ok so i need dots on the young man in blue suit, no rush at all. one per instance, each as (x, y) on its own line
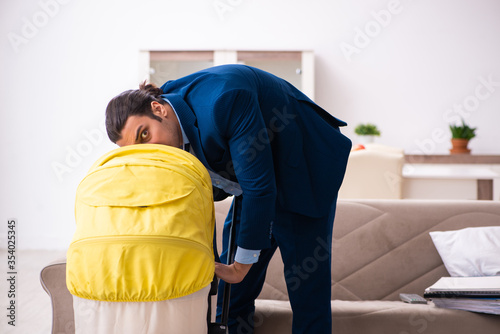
(288, 157)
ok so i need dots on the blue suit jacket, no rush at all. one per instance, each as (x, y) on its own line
(255, 128)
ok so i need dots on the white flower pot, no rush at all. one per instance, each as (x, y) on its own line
(367, 139)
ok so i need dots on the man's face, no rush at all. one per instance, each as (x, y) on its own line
(144, 129)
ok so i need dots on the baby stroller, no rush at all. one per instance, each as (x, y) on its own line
(144, 238)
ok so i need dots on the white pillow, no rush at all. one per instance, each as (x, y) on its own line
(473, 251)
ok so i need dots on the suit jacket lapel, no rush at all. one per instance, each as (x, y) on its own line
(189, 124)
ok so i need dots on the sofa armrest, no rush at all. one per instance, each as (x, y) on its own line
(53, 280)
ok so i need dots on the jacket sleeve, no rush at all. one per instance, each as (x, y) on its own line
(238, 119)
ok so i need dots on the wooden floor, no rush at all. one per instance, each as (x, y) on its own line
(33, 308)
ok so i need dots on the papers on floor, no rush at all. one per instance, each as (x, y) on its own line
(476, 294)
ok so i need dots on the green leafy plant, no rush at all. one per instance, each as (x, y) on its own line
(462, 131)
(367, 129)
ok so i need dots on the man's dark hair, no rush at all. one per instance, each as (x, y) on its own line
(130, 103)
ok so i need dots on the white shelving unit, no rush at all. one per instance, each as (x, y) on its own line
(297, 67)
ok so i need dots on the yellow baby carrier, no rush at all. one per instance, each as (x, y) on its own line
(144, 227)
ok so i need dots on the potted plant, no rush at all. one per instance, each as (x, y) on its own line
(460, 136)
(367, 132)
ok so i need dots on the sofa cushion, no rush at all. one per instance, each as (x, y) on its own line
(382, 247)
(375, 317)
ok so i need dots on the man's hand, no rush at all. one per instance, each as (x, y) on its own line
(234, 273)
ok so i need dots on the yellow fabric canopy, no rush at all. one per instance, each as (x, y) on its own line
(144, 226)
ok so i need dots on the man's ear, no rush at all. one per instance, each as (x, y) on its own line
(158, 109)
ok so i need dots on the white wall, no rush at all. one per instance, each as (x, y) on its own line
(62, 60)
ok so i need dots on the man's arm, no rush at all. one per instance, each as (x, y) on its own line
(237, 117)
(235, 272)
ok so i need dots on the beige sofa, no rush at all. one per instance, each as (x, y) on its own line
(380, 248)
